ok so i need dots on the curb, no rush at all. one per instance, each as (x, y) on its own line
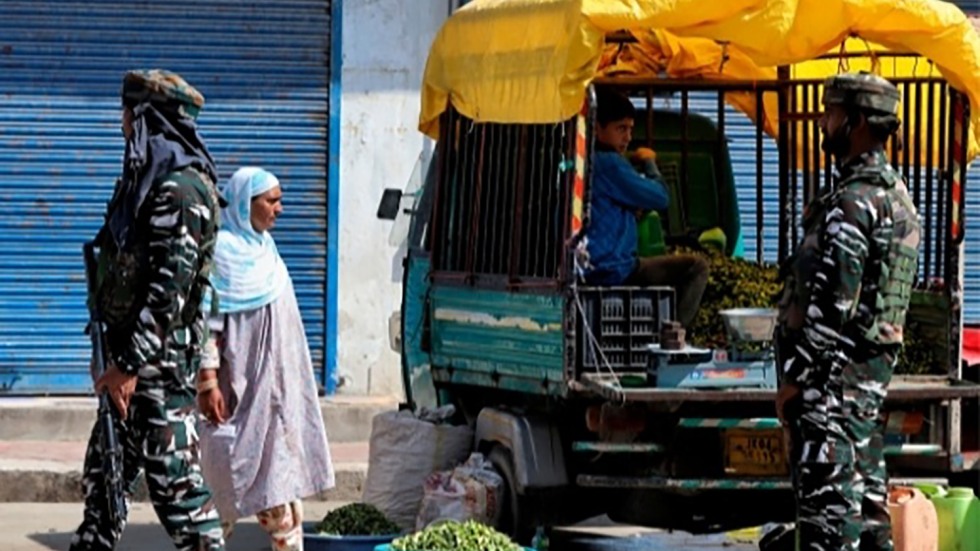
(52, 486)
(347, 419)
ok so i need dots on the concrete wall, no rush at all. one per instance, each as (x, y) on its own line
(385, 45)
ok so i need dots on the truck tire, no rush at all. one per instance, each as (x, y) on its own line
(514, 508)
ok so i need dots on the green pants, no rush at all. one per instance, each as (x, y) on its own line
(160, 438)
(839, 466)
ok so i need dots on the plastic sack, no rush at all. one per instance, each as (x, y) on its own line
(405, 449)
(471, 491)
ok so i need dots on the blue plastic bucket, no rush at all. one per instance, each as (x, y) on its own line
(312, 541)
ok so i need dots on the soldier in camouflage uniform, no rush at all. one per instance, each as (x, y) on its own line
(155, 253)
(842, 313)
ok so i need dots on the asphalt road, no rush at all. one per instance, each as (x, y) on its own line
(49, 527)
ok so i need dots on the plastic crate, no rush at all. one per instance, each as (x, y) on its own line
(625, 321)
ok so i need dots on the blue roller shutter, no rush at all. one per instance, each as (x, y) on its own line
(263, 67)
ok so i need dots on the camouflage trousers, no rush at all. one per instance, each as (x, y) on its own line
(160, 438)
(837, 446)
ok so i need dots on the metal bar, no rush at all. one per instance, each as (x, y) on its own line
(806, 149)
(442, 160)
(784, 152)
(648, 131)
(914, 389)
(759, 182)
(917, 151)
(942, 177)
(817, 149)
(462, 201)
(879, 54)
(770, 85)
(954, 280)
(568, 192)
(729, 423)
(914, 449)
(537, 220)
(894, 80)
(906, 151)
(484, 262)
(663, 483)
(686, 84)
(793, 150)
(723, 206)
(474, 235)
(527, 240)
(685, 177)
(513, 175)
(517, 229)
(930, 189)
(612, 447)
(548, 205)
(802, 116)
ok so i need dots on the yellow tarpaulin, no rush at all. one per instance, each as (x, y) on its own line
(530, 61)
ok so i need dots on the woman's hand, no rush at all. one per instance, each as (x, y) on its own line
(212, 405)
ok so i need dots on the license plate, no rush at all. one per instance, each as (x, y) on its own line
(754, 452)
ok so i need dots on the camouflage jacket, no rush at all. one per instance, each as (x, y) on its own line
(150, 294)
(849, 283)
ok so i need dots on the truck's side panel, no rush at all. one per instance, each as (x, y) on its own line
(498, 339)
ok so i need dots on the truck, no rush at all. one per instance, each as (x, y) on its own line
(569, 391)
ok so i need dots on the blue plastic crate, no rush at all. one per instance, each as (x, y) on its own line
(312, 541)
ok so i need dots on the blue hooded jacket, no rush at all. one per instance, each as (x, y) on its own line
(618, 191)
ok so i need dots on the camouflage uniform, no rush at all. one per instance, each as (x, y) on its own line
(150, 290)
(841, 319)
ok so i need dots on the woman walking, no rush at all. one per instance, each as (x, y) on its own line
(263, 443)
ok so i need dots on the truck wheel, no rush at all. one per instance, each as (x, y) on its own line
(513, 506)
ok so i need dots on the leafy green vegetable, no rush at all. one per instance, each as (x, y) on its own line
(455, 536)
(357, 519)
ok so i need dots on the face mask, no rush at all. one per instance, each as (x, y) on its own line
(838, 144)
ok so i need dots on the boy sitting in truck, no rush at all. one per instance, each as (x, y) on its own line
(619, 193)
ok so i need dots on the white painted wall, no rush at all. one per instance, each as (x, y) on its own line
(385, 45)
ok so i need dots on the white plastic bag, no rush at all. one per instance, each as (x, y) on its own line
(405, 450)
(471, 491)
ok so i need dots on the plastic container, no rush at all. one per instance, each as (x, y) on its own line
(958, 511)
(714, 238)
(650, 236)
(625, 321)
(915, 523)
(312, 541)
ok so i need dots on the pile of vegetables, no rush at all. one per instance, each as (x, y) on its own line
(357, 519)
(732, 283)
(450, 535)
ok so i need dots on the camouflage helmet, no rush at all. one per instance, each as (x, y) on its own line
(163, 88)
(865, 91)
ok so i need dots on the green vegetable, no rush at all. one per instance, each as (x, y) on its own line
(450, 535)
(357, 519)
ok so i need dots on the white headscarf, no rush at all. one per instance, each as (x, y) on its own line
(248, 272)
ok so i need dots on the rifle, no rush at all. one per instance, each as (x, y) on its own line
(112, 453)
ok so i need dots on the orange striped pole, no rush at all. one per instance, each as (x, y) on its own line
(956, 188)
(578, 191)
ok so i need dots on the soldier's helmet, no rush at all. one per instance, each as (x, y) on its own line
(163, 88)
(865, 91)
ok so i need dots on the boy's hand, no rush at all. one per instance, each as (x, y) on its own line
(643, 154)
(645, 161)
